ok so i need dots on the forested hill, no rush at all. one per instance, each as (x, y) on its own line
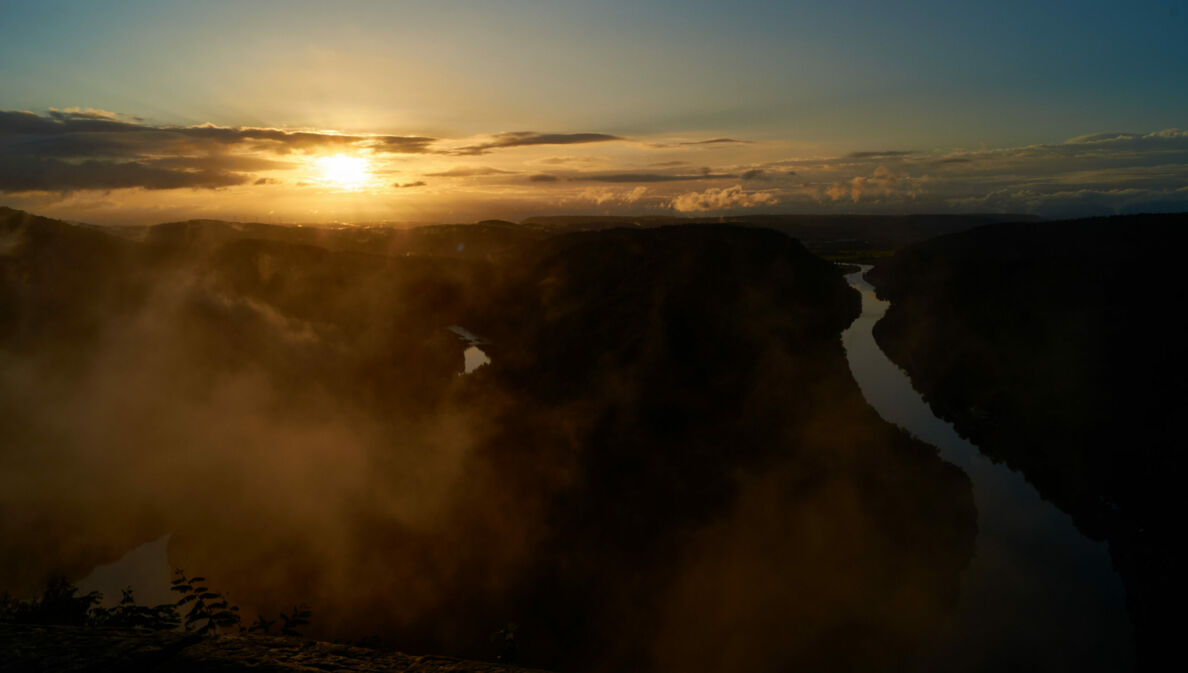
(666, 466)
(1058, 347)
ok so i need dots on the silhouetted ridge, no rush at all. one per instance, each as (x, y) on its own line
(863, 238)
(1057, 347)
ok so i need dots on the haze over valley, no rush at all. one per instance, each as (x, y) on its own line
(590, 337)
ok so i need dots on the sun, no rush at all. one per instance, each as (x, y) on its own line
(345, 172)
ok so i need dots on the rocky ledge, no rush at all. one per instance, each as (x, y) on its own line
(66, 649)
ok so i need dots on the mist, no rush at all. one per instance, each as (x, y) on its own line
(657, 469)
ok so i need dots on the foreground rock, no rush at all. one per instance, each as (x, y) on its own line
(65, 649)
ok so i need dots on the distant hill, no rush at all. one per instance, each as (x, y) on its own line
(846, 238)
(59, 281)
(1058, 347)
(861, 238)
(469, 240)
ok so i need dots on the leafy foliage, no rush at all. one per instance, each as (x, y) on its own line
(261, 625)
(506, 639)
(209, 610)
(127, 614)
(59, 603)
(297, 619)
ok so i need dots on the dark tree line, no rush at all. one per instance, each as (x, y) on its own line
(199, 609)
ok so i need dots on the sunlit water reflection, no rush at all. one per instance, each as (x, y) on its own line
(473, 357)
(1038, 595)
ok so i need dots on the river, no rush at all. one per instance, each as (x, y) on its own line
(1037, 595)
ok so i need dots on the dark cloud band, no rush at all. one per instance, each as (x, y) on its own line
(27, 174)
(66, 150)
(527, 138)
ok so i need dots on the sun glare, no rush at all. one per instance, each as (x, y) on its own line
(345, 172)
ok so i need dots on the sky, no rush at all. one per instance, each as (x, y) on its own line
(139, 112)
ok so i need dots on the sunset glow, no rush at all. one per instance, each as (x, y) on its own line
(855, 107)
(344, 172)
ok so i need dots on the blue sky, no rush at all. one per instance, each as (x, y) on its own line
(797, 78)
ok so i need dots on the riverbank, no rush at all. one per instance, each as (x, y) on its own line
(1037, 595)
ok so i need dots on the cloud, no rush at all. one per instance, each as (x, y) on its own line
(599, 195)
(721, 199)
(527, 138)
(46, 156)
(283, 141)
(405, 144)
(418, 183)
(706, 174)
(620, 178)
(74, 149)
(711, 141)
(555, 161)
(718, 141)
(14, 122)
(468, 172)
(1176, 137)
(92, 113)
(218, 162)
(605, 195)
(1096, 174)
(882, 183)
(25, 127)
(1077, 202)
(635, 194)
(881, 154)
(28, 174)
